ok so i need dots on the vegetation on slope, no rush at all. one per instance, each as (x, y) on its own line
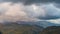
(15, 28)
(51, 30)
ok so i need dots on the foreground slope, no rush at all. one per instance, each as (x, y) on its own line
(51, 30)
(14, 28)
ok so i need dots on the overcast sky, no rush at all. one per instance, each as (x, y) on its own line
(30, 10)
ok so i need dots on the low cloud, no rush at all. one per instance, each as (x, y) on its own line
(56, 21)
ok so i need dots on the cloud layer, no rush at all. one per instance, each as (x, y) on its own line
(29, 10)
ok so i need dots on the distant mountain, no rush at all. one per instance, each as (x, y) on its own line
(51, 30)
(46, 24)
(25, 27)
(39, 23)
(15, 28)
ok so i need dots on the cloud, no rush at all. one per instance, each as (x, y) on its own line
(18, 11)
(14, 10)
(35, 11)
(27, 2)
(45, 12)
(56, 21)
(57, 5)
(51, 12)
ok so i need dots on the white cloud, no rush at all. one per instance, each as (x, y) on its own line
(18, 11)
(35, 11)
(55, 21)
(12, 12)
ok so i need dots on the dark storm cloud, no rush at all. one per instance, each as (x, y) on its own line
(49, 17)
(14, 0)
(31, 1)
(57, 5)
(41, 1)
(52, 12)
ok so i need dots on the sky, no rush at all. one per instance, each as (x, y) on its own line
(30, 10)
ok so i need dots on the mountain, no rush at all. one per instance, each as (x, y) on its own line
(15, 28)
(39, 23)
(25, 27)
(51, 30)
(45, 24)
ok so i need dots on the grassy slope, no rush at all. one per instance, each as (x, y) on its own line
(51, 30)
(20, 29)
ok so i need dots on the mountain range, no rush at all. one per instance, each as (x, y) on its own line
(15, 28)
(51, 30)
(25, 27)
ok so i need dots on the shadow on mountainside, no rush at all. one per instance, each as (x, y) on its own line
(15, 28)
(51, 30)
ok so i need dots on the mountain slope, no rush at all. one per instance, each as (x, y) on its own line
(39, 23)
(14, 28)
(51, 30)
